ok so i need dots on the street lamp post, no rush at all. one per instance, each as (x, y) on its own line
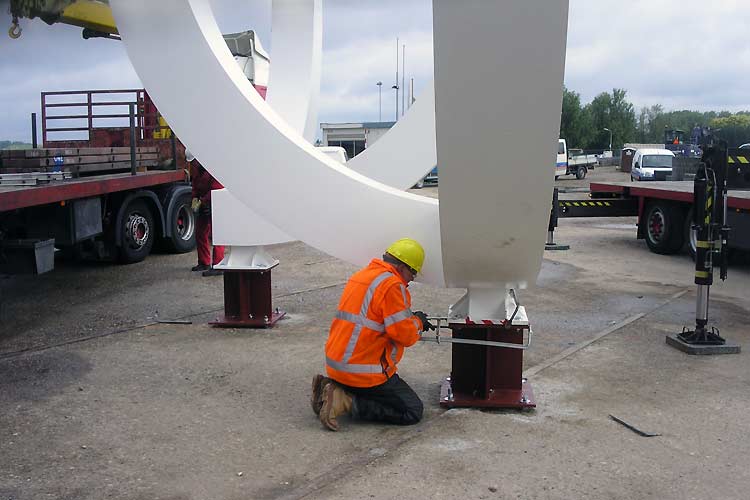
(610, 137)
(380, 101)
(395, 87)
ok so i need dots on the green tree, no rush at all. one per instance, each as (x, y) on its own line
(615, 112)
(735, 129)
(575, 123)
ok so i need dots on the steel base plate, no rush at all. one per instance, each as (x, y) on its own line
(505, 398)
(229, 322)
(702, 349)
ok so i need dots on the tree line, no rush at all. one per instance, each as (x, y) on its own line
(583, 125)
(14, 145)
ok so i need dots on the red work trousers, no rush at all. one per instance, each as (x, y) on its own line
(203, 242)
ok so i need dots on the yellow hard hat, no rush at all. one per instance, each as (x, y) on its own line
(408, 251)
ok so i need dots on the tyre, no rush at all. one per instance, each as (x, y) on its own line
(581, 173)
(419, 185)
(182, 226)
(138, 232)
(664, 229)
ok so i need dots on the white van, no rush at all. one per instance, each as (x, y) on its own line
(651, 165)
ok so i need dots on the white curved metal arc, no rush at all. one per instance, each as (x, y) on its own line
(294, 83)
(400, 158)
(293, 92)
(406, 152)
(326, 205)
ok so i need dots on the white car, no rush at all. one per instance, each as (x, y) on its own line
(651, 165)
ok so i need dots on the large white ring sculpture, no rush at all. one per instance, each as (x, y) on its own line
(496, 189)
(400, 159)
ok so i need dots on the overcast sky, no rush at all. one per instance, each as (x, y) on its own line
(683, 55)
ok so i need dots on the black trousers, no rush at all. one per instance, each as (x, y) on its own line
(393, 402)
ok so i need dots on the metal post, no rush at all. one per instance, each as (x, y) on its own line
(44, 119)
(133, 170)
(403, 77)
(90, 112)
(380, 101)
(174, 150)
(411, 92)
(33, 131)
(395, 85)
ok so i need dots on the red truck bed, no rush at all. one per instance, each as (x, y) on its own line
(666, 190)
(13, 197)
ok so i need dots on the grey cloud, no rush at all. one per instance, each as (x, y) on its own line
(685, 56)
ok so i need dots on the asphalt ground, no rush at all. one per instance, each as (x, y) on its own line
(99, 400)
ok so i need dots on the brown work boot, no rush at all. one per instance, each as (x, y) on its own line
(336, 402)
(318, 384)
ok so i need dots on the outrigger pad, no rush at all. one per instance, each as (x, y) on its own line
(702, 349)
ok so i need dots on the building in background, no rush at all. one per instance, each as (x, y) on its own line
(353, 137)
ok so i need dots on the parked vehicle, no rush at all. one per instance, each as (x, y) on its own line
(573, 161)
(651, 165)
(665, 210)
(336, 153)
(95, 197)
(429, 179)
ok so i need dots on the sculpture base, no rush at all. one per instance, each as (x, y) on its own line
(247, 300)
(522, 398)
(486, 376)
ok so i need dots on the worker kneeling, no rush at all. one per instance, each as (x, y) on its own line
(372, 327)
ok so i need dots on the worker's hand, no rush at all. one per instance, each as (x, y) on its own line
(196, 204)
(426, 325)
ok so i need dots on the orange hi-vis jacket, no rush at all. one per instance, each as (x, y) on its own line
(373, 325)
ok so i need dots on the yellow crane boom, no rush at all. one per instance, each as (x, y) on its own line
(94, 16)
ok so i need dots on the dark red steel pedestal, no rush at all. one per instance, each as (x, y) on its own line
(487, 376)
(247, 300)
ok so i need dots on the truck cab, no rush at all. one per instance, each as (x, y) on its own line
(561, 165)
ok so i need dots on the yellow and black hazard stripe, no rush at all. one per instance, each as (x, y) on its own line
(615, 207)
(585, 203)
(738, 159)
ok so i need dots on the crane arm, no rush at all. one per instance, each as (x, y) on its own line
(94, 16)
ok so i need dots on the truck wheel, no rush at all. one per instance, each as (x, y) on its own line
(137, 228)
(664, 228)
(581, 173)
(182, 225)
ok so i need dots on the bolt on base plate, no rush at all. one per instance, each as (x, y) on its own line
(522, 398)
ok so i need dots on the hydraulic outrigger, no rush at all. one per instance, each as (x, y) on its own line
(711, 233)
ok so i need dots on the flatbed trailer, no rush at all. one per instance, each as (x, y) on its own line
(105, 217)
(663, 209)
(111, 194)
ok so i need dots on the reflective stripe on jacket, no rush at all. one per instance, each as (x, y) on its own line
(373, 325)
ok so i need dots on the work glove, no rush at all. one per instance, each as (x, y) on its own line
(196, 204)
(426, 325)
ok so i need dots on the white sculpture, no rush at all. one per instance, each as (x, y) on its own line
(504, 83)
